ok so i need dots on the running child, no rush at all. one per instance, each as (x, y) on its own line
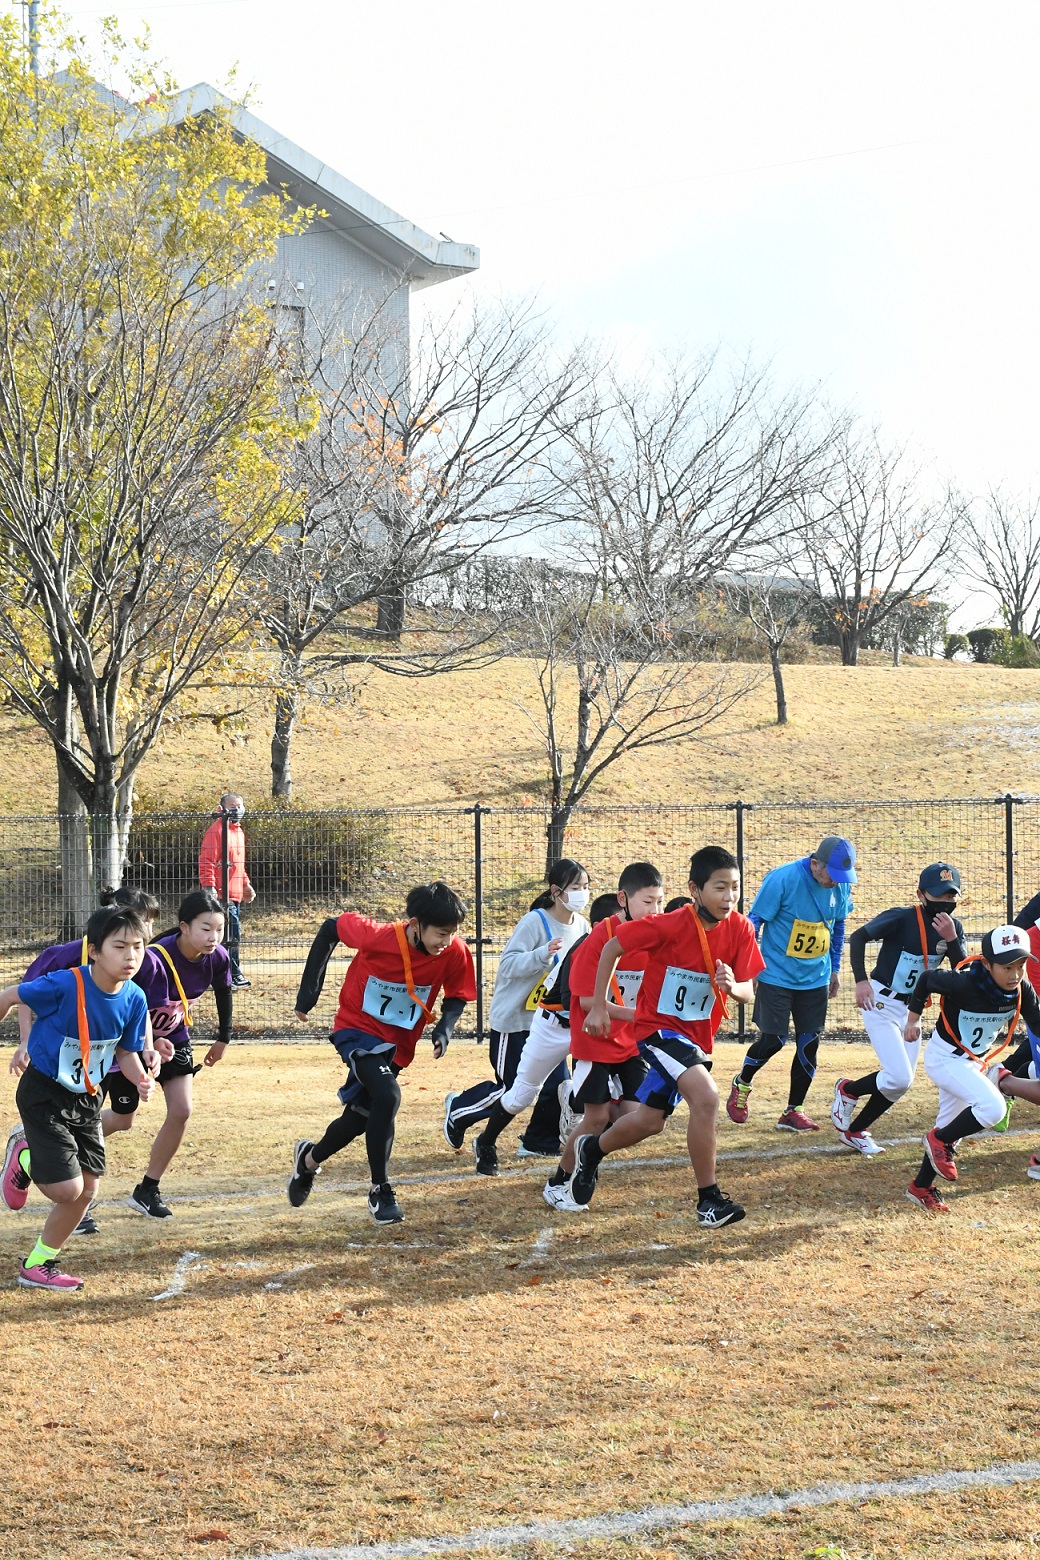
(385, 1003)
(912, 940)
(85, 1018)
(696, 958)
(800, 912)
(540, 940)
(607, 1069)
(979, 1009)
(186, 961)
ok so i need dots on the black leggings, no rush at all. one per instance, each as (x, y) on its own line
(803, 1063)
(373, 1114)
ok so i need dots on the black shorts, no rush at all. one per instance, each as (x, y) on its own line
(120, 1094)
(777, 1006)
(181, 1064)
(667, 1056)
(591, 1081)
(62, 1129)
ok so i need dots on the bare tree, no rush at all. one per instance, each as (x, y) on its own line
(871, 542)
(1003, 543)
(774, 604)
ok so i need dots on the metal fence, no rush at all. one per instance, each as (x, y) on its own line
(308, 865)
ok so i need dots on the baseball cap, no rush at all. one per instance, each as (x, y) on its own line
(839, 857)
(940, 878)
(1006, 944)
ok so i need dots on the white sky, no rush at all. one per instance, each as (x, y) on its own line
(849, 190)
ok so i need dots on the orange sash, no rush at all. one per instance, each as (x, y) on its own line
(406, 960)
(924, 943)
(615, 989)
(984, 1061)
(709, 962)
(84, 1031)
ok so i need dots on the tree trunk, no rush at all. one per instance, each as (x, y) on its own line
(556, 833)
(778, 684)
(849, 648)
(390, 613)
(286, 709)
(110, 815)
(897, 644)
(77, 877)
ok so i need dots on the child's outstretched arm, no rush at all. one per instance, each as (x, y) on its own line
(451, 1012)
(20, 1059)
(313, 977)
(598, 1020)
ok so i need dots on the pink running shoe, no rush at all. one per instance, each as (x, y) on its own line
(14, 1183)
(795, 1120)
(47, 1276)
(737, 1107)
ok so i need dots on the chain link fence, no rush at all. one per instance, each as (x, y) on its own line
(309, 865)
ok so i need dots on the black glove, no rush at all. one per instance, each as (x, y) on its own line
(440, 1038)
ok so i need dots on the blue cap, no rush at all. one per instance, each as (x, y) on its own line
(940, 878)
(838, 855)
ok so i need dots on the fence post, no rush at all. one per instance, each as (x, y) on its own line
(478, 940)
(740, 808)
(1009, 851)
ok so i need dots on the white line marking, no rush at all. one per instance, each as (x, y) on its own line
(185, 1265)
(610, 1164)
(543, 1244)
(626, 1523)
(277, 1283)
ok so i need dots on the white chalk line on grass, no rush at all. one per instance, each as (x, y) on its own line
(664, 1161)
(630, 1523)
(185, 1264)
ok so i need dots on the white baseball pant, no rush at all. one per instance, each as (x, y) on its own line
(961, 1082)
(546, 1046)
(884, 1023)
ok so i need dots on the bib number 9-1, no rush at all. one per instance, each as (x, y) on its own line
(686, 994)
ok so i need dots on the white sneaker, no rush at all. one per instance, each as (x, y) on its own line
(559, 1197)
(569, 1118)
(844, 1106)
(862, 1142)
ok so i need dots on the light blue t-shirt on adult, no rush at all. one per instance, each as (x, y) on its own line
(798, 917)
(116, 1018)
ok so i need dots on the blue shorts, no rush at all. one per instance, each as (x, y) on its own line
(667, 1055)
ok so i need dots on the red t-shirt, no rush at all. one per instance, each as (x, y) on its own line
(620, 1043)
(374, 996)
(676, 993)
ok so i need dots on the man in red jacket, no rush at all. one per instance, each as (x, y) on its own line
(238, 886)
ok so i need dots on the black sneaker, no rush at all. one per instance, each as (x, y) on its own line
(88, 1225)
(586, 1174)
(238, 982)
(454, 1136)
(485, 1157)
(149, 1202)
(718, 1209)
(383, 1205)
(302, 1180)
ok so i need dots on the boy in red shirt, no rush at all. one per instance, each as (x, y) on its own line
(606, 1070)
(697, 956)
(386, 1001)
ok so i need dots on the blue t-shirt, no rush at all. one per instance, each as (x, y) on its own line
(802, 925)
(113, 1019)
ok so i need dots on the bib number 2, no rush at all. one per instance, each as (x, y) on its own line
(808, 940)
(390, 1002)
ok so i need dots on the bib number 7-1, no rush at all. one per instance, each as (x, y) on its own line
(391, 1002)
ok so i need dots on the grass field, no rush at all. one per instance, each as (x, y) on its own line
(323, 1382)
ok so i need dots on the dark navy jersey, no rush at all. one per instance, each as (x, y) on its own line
(1030, 916)
(974, 1012)
(900, 958)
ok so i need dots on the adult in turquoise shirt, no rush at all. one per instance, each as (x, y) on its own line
(799, 914)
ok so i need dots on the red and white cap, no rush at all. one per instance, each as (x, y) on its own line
(1005, 944)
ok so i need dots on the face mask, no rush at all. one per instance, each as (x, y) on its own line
(934, 907)
(576, 898)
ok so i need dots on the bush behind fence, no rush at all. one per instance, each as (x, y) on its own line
(308, 865)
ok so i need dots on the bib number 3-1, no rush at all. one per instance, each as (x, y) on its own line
(388, 1000)
(685, 994)
(70, 1065)
(808, 940)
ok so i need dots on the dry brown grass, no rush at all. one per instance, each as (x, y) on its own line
(446, 1373)
(925, 728)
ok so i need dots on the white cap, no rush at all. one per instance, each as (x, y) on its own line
(1005, 944)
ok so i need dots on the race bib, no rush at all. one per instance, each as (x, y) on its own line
(909, 967)
(167, 1018)
(535, 999)
(808, 940)
(979, 1031)
(686, 994)
(70, 1063)
(388, 1000)
(629, 982)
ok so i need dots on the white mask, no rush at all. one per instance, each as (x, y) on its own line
(576, 898)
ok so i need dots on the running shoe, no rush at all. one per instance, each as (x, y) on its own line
(586, 1174)
(862, 1142)
(14, 1182)
(485, 1157)
(926, 1197)
(844, 1106)
(301, 1182)
(569, 1117)
(383, 1205)
(88, 1225)
(795, 1120)
(47, 1275)
(240, 982)
(1005, 1120)
(737, 1107)
(1033, 1168)
(940, 1156)
(718, 1209)
(559, 1197)
(538, 1150)
(149, 1202)
(455, 1137)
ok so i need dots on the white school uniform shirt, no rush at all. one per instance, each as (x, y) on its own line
(525, 959)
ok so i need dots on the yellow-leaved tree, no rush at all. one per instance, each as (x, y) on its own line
(144, 432)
